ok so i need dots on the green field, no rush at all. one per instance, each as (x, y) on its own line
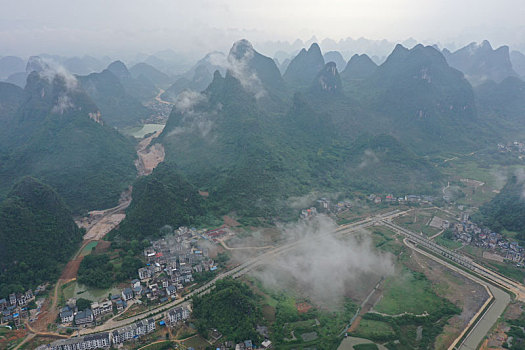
(140, 131)
(448, 243)
(76, 290)
(88, 248)
(408, 292)
(372, 329)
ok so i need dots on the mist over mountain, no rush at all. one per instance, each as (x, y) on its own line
(518, 62)
(480, 62)
(337, 58)
(57, 135)
(359, 67)
(422, 100)
(304, 67)
(141, 88)
(503, 103)
(10, 65)
(117, 106)
(198, 77)
(143, 71)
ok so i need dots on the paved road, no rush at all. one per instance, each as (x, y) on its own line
(478, 333)
(495, 278)
(241, 270)
(490, 315)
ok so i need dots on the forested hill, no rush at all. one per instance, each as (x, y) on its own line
(506, 211)
(250, 160)
(37, 235)
(163, 198)
(57, 135)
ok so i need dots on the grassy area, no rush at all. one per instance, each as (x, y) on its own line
(385, 240)
(418, 221)
(76, 290)
(161, 345)
(141, 131)
(196, 342)
(509, 270)
(372, 329)
(409, 292)
(448, 243)
(88, 248)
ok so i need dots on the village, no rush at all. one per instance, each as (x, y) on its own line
(495, 245)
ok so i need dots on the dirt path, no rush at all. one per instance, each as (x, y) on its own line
(437, 234)
(160, 100)
(97, 224)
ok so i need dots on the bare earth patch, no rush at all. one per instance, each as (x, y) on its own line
(463, 292)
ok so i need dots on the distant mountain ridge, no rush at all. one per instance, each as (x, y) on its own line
(480, 63)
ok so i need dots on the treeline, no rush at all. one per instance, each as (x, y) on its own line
(37, 236)
(100, 271)
(231, 308)
(506, 211)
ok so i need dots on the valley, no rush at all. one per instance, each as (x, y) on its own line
(360, 204)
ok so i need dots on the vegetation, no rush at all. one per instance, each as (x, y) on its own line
(163, 198)
(410, 331)
(83, 304)
(410, 292)
(117, 107)
(87, 163)
(506, 211)
(230, 308)
(104, 270)
(366, 346)
(96, 271)
(32, 220)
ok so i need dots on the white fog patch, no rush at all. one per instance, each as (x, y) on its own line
(520, 178)
(188, 99)
(50, 70)
(301, 202)
(500, 178)
(63, 103)
(369, 158)
(193, 121)
(323, 264)
(240, 69)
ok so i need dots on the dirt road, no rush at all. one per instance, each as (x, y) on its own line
(97, 224)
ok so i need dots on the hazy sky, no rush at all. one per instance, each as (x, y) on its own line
(123, 26)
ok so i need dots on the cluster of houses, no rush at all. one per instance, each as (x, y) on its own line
(120, 335)
(70, 315)
(245, 345)
(14, 309)
(409, 198)
(104, 339)
(171, 263)
(470, 233)
(216, 234)
(324, 205)
(515, 146)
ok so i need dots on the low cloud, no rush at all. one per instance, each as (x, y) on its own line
(309, 199)
(240, 69)
(369, 158)
(63, 104)
(50, 70)
(193, 121)
(324, 266)
(520, 177)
